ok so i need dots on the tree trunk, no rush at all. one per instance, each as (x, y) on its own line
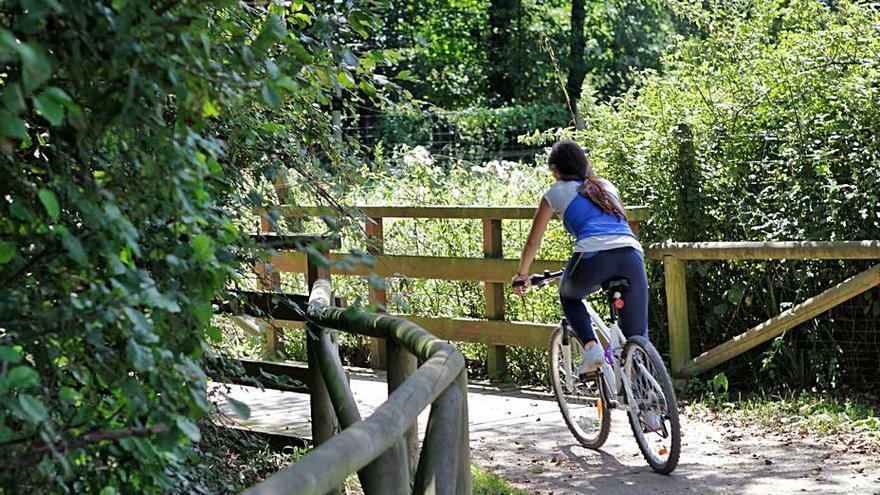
(502, 16)
(577, 69)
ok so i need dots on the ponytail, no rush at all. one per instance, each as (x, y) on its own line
(570, 161)
(595, 191)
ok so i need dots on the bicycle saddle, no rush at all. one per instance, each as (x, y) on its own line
(618, 284)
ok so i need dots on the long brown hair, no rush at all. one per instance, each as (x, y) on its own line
(567, 158)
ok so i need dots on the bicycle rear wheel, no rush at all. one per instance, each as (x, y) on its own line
(656, 425)
(580, 401)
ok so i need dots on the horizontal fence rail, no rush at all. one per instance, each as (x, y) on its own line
(376, 447)
(771, 250)
(633, 213)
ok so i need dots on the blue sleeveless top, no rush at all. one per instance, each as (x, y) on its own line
(593, 228)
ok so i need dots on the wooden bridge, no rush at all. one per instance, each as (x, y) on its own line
(393, 433)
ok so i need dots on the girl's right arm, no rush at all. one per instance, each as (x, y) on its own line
(533, 242)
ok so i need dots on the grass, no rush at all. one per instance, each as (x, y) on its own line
(808, 412)
(812, 412)
(486, 483)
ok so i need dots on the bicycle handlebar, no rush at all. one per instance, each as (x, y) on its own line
(538, 280)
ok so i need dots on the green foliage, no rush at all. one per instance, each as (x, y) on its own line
(134, 138)
(805, 412)
(229, 460)
(470, 134)
(445, 47)
(486, 483)
(760, 130)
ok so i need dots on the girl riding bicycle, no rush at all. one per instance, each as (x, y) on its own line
(605, 248)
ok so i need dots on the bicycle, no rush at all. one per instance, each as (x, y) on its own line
(633, 379)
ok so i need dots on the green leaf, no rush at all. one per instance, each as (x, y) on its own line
(34, 410)
(209, 109)
(344, 79)
(238, 407)
(49, 108)
(142, 327)
(12, 98)
(69, 395)
(12, 126)
(270, 95)
(50, 202)
(9, 355)
(214, 333)
(139, 356)
(35, 64)
(202, 311)
(153, 298)
(7, 252)
(22, 377)
(75, 249)
(109, 490)
(203, 248)
(189, 428)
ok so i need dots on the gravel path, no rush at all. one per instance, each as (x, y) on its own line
(521, 437)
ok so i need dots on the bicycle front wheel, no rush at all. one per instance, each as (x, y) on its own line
(655, 424)
(580, 401)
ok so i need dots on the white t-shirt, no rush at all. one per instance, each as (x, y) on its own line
(561, 194)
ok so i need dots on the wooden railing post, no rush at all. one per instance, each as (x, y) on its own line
(378, 296)
(496, 356)
(677, 313)
(464, 443)
(268, 279)
(324, 424)
(401, 365)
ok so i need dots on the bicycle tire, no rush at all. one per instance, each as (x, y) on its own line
(671, 414)
(583, 437)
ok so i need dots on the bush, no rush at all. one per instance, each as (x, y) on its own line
(764, 129)
(133, 136)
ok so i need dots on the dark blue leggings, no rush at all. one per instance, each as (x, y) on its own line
(584, 275)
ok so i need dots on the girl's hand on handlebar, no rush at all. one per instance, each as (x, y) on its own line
(519, 283)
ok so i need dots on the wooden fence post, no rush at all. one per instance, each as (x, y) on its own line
(268, 279)
(401, 365)
(324, 424)
(677, 313)
(496, 356)
(378, 297)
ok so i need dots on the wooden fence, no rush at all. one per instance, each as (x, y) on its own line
(675, 255)
(383, 448)
(492, 269)
(495, 271)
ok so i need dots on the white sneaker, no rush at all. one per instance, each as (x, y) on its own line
(592, 358)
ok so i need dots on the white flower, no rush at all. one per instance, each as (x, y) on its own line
(418, 156)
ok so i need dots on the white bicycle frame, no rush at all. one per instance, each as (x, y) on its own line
(613, 337)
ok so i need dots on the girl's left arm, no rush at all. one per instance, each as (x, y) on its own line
(539, 226)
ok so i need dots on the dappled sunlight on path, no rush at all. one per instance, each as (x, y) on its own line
(521, 436)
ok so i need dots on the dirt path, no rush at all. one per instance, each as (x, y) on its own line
(521, 437)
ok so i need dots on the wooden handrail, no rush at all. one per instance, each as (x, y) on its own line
(769, 250)
(444, 465)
